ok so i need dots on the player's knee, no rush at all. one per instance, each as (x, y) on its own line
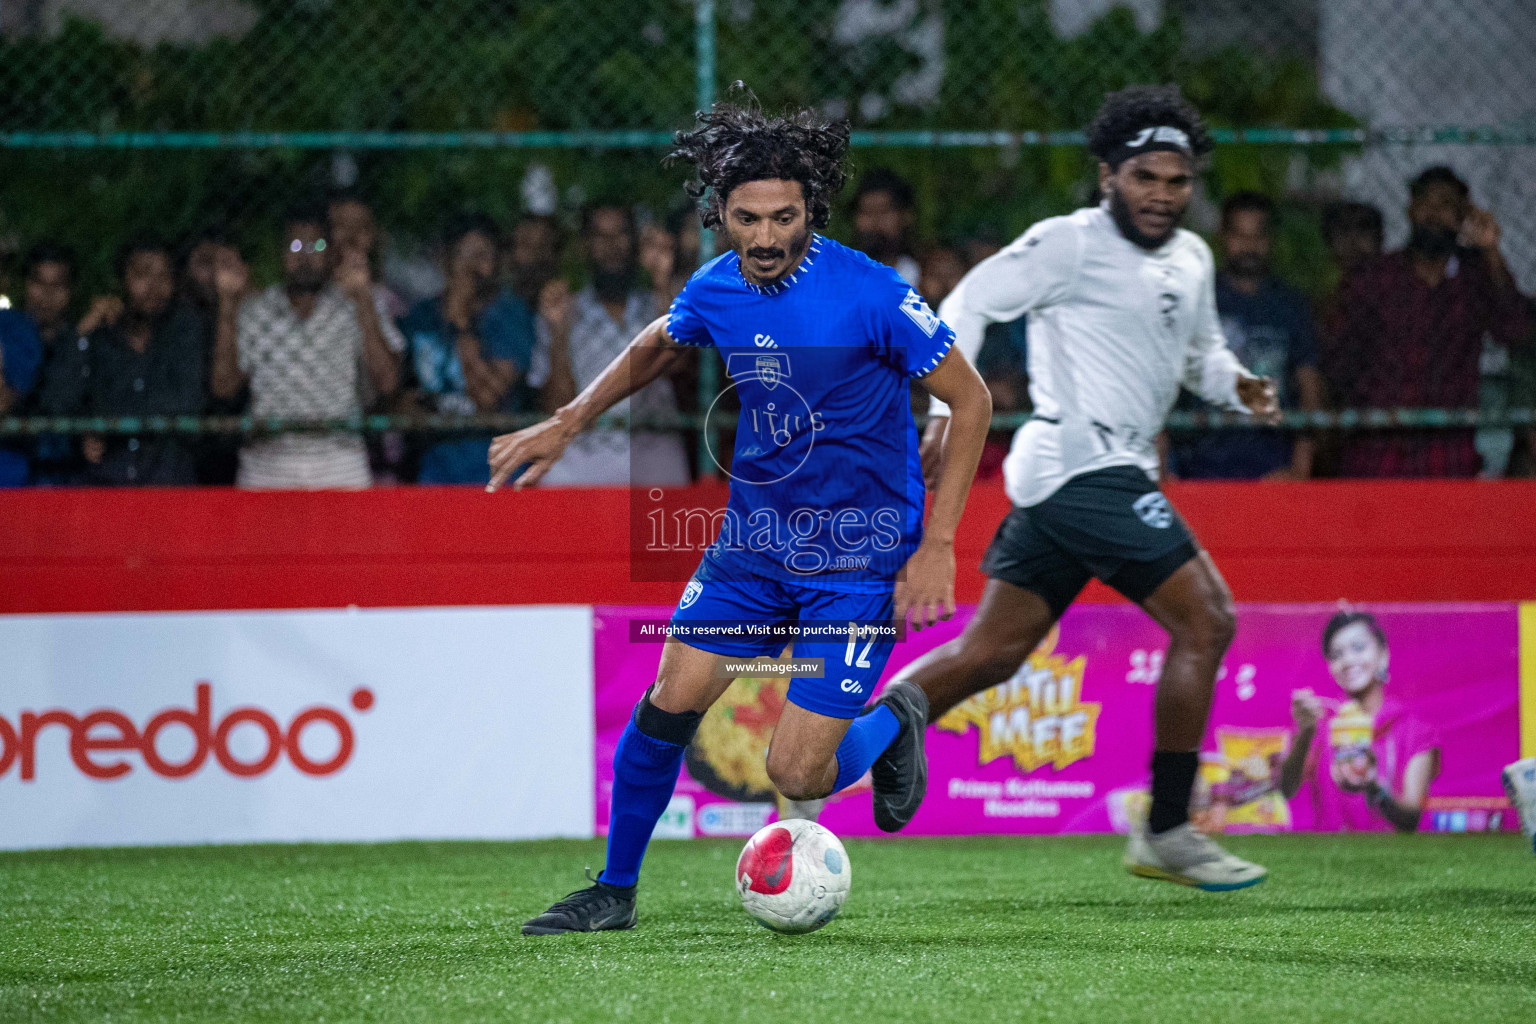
(1216, 624)
(795, 782)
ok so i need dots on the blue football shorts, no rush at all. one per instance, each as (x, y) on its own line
(853, 658)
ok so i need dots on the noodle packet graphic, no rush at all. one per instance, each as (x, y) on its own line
(1350, 734)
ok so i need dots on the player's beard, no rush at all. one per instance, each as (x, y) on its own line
(1120, 210)
(796, 251)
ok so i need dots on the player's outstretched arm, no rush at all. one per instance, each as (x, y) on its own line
(651, 354)
(1036, 269)
(927, 586)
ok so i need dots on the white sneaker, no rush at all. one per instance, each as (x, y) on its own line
(1188, 857)
(1520, 784)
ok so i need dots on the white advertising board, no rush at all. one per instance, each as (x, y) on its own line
(277, 726)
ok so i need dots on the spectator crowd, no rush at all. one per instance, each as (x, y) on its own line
(1439, 323)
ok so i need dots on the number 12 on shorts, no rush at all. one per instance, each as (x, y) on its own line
(854, 632)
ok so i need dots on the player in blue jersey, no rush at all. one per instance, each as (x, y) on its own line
(824, 527)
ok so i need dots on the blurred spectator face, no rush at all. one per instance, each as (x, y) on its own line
(352, 226)
(1353, 246)
(1246, 240)
(1353, 234)
(1435, 217)
(535, 254)
(942, 270)
(202, 268)
(611, 248)
(473, 258)
(609, 242)
(149, 283)
(48, 287)
(880, 225)
(306, 257)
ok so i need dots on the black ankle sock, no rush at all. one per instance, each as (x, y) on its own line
(1173, 781)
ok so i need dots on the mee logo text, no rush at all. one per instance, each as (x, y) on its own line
(102, 742)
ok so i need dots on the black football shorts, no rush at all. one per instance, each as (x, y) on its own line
(1112, 524)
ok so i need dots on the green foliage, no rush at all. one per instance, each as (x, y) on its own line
(447, 65)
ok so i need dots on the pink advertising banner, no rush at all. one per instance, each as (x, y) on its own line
(1421, 700)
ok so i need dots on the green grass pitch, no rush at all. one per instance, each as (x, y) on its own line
(1411, 930)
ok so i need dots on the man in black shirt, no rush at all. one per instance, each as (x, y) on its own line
(146, 360)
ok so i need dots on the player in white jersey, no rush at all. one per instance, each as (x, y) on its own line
(1122, 311)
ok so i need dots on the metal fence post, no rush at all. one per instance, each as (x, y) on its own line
(709, 361)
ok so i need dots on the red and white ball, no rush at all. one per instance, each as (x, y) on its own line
(793, 876)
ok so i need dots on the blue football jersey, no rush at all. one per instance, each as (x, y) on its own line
(825, 482)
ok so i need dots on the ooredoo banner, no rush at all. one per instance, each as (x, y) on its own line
(275, 726)
(1318, 711)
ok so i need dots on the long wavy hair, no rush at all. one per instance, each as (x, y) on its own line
(734, 142)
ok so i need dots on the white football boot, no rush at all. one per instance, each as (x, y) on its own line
(1188, 857)
(1520, 784)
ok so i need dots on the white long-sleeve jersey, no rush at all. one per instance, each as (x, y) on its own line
(1114, 329)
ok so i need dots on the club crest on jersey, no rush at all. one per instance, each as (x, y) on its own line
(691, 593)
(768, 371)
(926, 319)
(768, 368)
(1154, 510)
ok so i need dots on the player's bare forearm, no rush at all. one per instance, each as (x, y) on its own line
(651, 354)
(957, 384)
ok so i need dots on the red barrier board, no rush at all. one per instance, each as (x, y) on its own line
(162, 550)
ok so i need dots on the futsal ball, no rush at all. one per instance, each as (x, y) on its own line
(793, 876)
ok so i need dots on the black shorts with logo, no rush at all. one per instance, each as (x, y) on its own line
(1112, 524)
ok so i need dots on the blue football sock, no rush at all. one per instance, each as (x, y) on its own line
(865, 740)
(644, 774)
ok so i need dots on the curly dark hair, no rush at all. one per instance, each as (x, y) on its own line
(1128, 111)
(735, 142)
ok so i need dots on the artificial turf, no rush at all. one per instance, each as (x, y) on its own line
(1350, 928)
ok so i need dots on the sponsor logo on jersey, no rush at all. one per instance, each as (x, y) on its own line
(917, 310)
(1154, 510)
(691, 593)
(764, 341)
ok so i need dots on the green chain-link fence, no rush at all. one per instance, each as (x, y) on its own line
(121, 115)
